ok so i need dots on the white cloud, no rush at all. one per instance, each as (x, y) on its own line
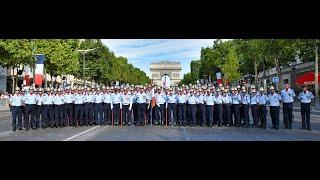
(142, 50)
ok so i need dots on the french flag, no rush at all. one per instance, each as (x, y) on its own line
(26, 75)
(39, 69)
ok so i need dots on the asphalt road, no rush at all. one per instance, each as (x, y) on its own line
(157, 133)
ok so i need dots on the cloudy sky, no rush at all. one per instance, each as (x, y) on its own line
(142, 52)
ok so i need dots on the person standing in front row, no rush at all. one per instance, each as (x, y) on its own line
(262, 110)
(126, 107)
(274, 101)
(15, 102)
(29, 100)
(287, 95)
(254, 108)
(305, 98)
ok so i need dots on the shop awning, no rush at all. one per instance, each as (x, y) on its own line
(306, 78)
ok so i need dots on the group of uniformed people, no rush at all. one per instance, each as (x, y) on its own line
(144, 105)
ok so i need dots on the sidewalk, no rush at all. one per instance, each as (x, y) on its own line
(4, 109)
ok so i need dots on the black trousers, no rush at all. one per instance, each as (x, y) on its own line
(242, 113)
(263, 115)
(232, 115)
(236, 113)
(245, 109)
(69, 114)
(141, 109)
(274, 113)
(116, 113)
(254, 113)
(107, 113)
(78, 114)
(215, 114)
(16, 115)
(171, 113)
(202, 113)
(219, 110)
(305, 115)
(126, 115)
(135, 112)
(88, 113)
(192, 112)
(29, 112)
(287, 115)
(39, 117)
(182, 109)
(59, 115)
(98, 113)
(226, 114)
(160, 112)
(209, 114)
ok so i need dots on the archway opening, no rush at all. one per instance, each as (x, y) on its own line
(165, 80)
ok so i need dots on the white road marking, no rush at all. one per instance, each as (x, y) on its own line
(6, 133)
(77, 135)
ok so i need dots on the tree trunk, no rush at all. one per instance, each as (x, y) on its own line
(276, 61)
(316, 75)
(256, 73)
(13, 83)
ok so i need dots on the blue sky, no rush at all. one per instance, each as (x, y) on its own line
(141, 52)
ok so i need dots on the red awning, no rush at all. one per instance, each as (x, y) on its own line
(306, 78)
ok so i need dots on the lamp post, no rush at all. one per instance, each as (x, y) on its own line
(83, 52)
(293, 72)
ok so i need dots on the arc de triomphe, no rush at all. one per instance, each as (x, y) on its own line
(163, 68)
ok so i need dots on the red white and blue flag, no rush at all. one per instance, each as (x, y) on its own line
(39, 69)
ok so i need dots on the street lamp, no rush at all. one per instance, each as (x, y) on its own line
(293, 65)
(83, 52)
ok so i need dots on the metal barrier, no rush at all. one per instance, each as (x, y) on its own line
(3, 103)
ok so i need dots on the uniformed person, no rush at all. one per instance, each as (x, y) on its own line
(58, 102)
(116, 104)
(39, 108)
(182, 108)
(68, 99)
(15, 102)
(78, 107)
(47, 102)
(245, 107)
(98, 112)
(107, 106)
(201, 108)
(262, 110)
(148, 92)
(274, 101)
(192, 108)
(141, 100)
(29, 100)
(219, 109)
(126, 107)
(160, 105)
(287, 96)
(134, 105)
(88, 99)
(171, 107)
(226, 100)
(209, 103)
(254, 108)
(236, 100)
(305, 98)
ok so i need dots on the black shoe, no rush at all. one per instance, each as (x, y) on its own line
(309, 129)
(14, 129)
(20, 128)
